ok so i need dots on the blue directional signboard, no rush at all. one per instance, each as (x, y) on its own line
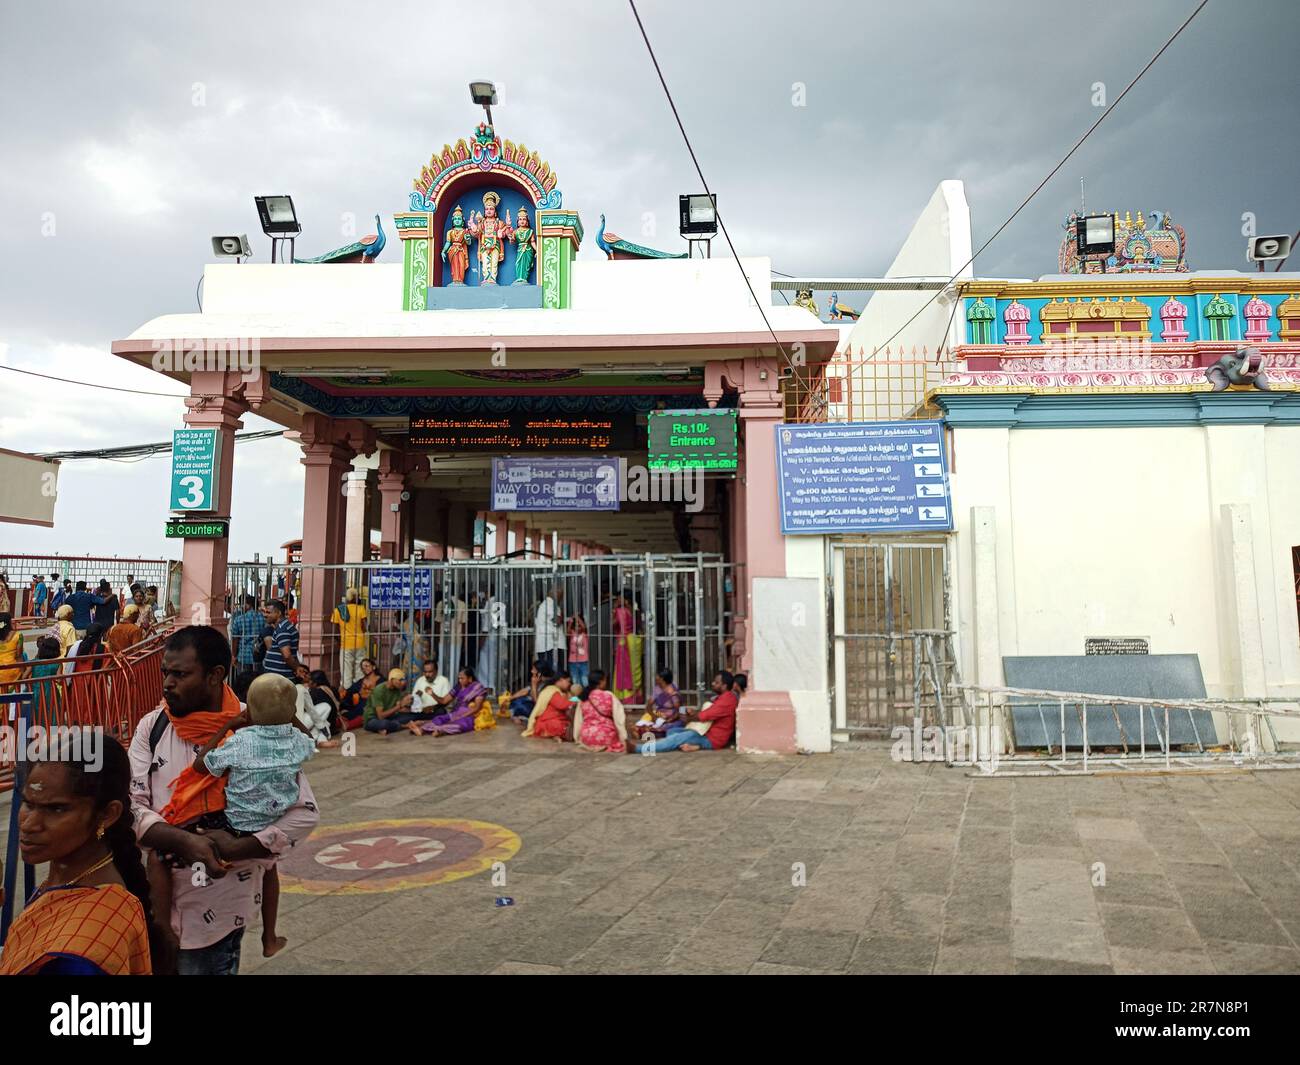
(390, 588)
(580, 483)
(871, 477)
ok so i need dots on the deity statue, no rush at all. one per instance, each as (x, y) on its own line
(491, 233)
(458, 245)
(525, 245)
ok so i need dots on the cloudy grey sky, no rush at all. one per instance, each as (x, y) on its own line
(133, 131)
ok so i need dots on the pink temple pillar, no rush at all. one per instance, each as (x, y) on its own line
(328, 447)
(216, 401)
(395, 471)
(766, 718)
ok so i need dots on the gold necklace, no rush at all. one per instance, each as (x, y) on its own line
(82, 875)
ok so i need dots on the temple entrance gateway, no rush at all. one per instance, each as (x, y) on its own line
(887, 596)
(482, 613)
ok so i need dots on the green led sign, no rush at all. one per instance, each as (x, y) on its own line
(692, 439)
(178, 529)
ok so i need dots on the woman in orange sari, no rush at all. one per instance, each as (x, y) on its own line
(551, 718)
(92, 916)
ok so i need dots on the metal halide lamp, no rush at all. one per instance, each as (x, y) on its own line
(483, 93)
(1095, 235)
(698, 220)
(279, 221)
(232, 247)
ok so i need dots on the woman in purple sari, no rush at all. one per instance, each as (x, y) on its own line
(464, 701)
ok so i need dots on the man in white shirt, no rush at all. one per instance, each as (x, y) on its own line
(548, 629)
(430, 689)
(451, 614)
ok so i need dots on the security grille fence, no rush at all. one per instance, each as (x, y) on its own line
(483, 615)
(91, 569)
(890, 611)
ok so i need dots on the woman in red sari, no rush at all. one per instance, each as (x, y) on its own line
(552, 720)
(92, 916)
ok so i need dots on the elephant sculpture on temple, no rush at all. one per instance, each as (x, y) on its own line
(1245, 366)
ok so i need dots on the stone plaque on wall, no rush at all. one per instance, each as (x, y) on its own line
(1116, 645)
(788, 624)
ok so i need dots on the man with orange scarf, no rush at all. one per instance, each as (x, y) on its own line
(214, 895)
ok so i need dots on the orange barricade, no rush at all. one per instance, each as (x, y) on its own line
(114, 695)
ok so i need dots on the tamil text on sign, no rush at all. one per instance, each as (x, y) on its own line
(863, 477)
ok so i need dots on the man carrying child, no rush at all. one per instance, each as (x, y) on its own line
(219, 886)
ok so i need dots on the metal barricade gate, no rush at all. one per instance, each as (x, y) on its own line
(483, 614)
(888, 596)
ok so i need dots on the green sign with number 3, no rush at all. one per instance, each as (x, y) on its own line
(194, 469)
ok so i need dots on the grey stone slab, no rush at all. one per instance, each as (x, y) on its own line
(1038, 723)
(511, 780)
(1064, 940)
(1129, 961)
(1238, 958)
(893, 954)
(810, 949)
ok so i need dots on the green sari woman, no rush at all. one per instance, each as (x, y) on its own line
(525, 247)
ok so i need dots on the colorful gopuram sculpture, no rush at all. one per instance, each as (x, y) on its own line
(491, 233)
(1159, 246)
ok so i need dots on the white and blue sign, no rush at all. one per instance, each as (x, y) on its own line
(851, 477)
(390, 588)
(555, 484)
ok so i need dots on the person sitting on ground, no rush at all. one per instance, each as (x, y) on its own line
(125, 632)
(352, 708)
(315, 708)
(709, 728)
(740, 685)
(389, 707)
(431, 689)
(259, 752)
(552, 717)
(524, 700)
(463, 703)
(666, 708)
(599, 724)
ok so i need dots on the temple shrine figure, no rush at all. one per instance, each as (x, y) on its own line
(455, 252)
(525, 245)
(491, 233)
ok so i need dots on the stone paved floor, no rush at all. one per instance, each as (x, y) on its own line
(684, 863)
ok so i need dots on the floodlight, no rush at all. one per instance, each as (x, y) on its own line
(278, 216)
(1095, 235)
(698, 215)
(483, 93)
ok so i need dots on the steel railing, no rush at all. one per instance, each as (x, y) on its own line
(985, 736)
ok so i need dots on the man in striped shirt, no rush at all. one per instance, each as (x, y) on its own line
(282, 643)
